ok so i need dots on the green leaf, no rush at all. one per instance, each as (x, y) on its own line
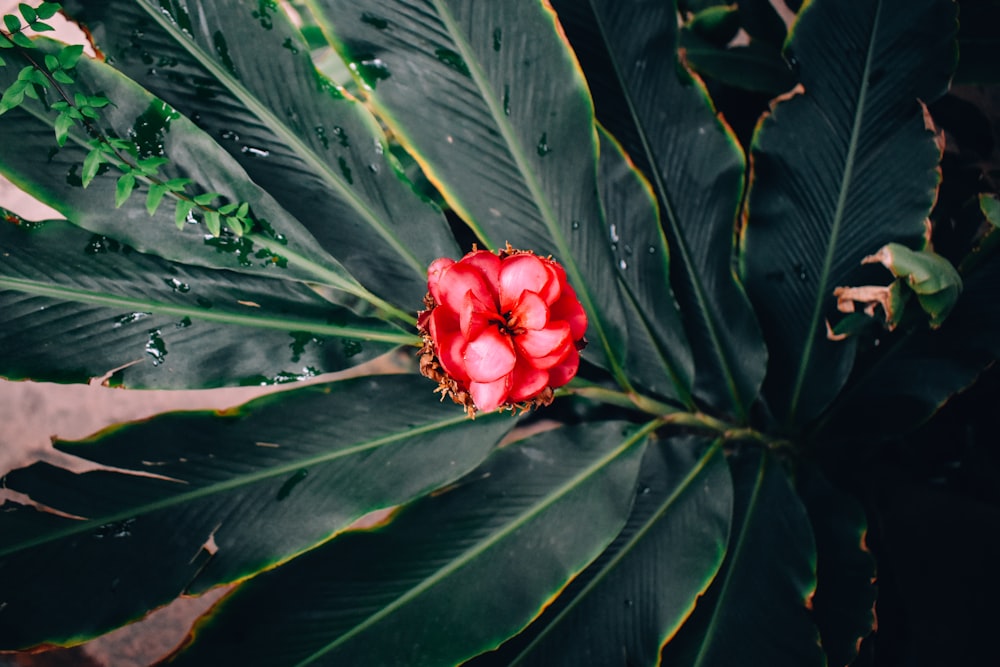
(659, 355)
(63, 77)
(645, 584)
(844, 603)
(222, 498)
(256, 95)
(450, 576)
(989, 204)
(666, 123)
(95, 158)
(22, 40)
(28, 12)
(12, 22)
(762, 22)
(514, 151)
(47, 10)
(13, 96)
(99, 303)
(69, 55)
(154, 196)
(840, 169)
(182, 211)
(758, 604)
(717, 24)
(51, 62)
(212, 222)
(160, 131)
(757, 67)
(126, 182)
(912, 373)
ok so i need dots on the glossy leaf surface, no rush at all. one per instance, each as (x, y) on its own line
(203, 499)
(668, 126)
(658, 355)
(645, 584)
(514, 151)
(76, 305)
(840, 168)
(757, 605)
(436, 585)
(242, 72)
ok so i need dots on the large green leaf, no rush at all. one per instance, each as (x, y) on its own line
(76, 305)
(844, 604)
(658, 355)
(242, 72)
(756, 609)
(453, 574)
(513, 146)
(625, 606)
(187, 501)
(287, 250)
(908, 377)
(841, 168)
(665, 121)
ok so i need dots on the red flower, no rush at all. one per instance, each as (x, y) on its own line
(500, 331)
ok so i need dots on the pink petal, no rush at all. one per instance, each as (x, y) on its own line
(531, 311)
(434, 272)
(488, 396)
(475, 316)
(489, 356)
(486, 262)
(448, 342)
(519, 273)
(565, 370)
(538, 345)
(568, 309)
(526, 382)
(557, 279)
(459, 279)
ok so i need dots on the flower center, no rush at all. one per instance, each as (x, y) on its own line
(509, 324)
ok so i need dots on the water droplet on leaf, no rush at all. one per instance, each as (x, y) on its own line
(543, 145)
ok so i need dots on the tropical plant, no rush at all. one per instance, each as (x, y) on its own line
(253, 194)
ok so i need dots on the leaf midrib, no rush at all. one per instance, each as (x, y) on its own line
(627, 548)
(270, 120)
(838, 219)
(481, 547)
(214, 315)
(234, 483)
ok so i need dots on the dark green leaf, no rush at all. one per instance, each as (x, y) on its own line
(840, 169)
(658, 356)
(757, 67)
(47, 10)
(762, 22)
(63, 77)
(28, 12)
(645, 584)
(669, 127)
(12, 22)
(252, 87)
(717, 24)
(74, 305)
(51, 62)
(38, 26)
(12, 96)
(452, 575)
(844, 603)
(208, 499)
(514, 151)
(160, 131)
(756, 610)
